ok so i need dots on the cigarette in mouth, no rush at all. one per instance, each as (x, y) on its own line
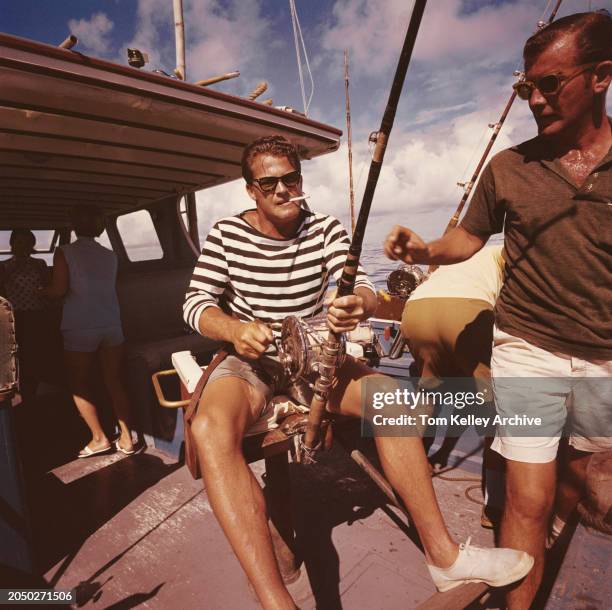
(298, 198)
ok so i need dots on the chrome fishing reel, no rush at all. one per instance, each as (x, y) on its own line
(403, 281)
(300, 347)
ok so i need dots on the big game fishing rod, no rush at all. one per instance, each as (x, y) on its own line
(349, 138)
(331, 347)
(468, 186)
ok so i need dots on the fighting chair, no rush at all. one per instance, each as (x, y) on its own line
(273, 446)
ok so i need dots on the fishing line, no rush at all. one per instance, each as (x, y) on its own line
(363, 164)
(468, 186)
(299, 39)
(545, 10)
(516, 69)
(474, 149)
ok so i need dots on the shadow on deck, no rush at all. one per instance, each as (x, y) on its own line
(139, 531)
(128, 531)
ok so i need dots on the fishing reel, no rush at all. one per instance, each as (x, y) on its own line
(403, 281)
(300, 347)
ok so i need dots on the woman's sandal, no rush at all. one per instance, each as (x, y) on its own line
(118, 447)
(86, 452)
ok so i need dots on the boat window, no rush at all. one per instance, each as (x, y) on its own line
(102, 239)
(44, 243)
(139, 236)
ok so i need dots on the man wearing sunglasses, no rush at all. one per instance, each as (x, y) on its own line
(261, 266)
(552, 197)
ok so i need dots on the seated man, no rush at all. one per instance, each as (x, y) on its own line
(263, 265)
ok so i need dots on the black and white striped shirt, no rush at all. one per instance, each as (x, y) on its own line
(267, 279)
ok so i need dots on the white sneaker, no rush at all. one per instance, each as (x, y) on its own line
(496, 567)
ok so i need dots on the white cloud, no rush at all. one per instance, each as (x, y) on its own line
(417, 185)
(220, 201)
(441, 128)
(224, 36)
(374, 31)
(220, 37)
(154, 34)
(93, 33)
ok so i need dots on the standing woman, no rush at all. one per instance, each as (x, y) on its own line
(85, 274)
(21, 279)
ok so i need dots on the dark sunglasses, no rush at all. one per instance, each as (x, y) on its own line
(268, 184)
(551, 84)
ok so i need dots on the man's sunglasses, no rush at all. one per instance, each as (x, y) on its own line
(551, 84)
(268, 184)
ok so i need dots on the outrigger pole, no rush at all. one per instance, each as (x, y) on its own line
(331, 347)
(468, 186)
(179, 36)
(181, 73)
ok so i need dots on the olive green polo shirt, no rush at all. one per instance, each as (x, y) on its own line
(557, 292)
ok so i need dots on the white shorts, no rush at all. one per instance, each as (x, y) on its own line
(570, 403)
(89, 340)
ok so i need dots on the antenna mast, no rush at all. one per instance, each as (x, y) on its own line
(181, 73)
(179, 35)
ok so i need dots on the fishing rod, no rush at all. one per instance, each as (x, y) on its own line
(349, 138)
(331, 347)
(468, 186)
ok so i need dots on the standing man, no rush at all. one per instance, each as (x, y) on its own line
(262, 265)
(552, 198)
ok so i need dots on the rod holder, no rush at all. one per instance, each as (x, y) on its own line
(69, 42)
(259, 89)
(217, 79)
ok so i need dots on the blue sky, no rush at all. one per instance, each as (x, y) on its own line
(458, 82)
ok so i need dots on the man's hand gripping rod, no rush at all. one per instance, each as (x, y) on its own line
(327, 368)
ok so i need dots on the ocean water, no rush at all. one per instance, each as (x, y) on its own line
(377, 265)
(373, 260)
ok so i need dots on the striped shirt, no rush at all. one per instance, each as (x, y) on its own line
(255, 277)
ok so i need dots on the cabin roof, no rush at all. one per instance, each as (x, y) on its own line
(76, 129)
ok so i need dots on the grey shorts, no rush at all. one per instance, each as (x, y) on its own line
(573, 395)
(266, 376)
(90, 339)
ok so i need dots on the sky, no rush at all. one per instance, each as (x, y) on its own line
(458, 82)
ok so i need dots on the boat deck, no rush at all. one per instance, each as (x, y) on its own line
(140, 531)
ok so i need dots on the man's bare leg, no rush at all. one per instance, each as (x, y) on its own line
(572, 478)
(228, 407)
(406, 467)
(530, 491)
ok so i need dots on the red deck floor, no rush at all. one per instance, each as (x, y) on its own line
(139, 531)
